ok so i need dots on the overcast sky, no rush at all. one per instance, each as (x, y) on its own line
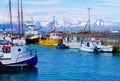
(108, 10)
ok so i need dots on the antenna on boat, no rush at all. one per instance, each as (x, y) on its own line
(64, 23)
(10, 13)
(22, 18)
(18, 16)
(53, 23)
(89, 17)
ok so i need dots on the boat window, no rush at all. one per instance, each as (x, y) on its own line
(97, 42)
(6, 50)
(88, 44)
(82, 42)
(19, 50)
(101, 43)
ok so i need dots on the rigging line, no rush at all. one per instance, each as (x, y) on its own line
(10, 13)
(14, 10)
(19, 16)
(6, 15)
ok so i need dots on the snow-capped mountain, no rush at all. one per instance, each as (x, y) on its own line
(45, 26)
(77, 23)
(100, 22)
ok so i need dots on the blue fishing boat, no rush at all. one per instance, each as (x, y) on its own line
(15, 54)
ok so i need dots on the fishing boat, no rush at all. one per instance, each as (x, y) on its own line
(99, 44)
(71, 43)
(74, 42)
(105, 48)
(52, 38)
(14, 54)
(89, 46)
(32, 35)
(95, 44)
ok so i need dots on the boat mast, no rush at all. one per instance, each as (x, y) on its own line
(10, 13)
(18, 17)
(53, 23)
(89, 18)
(22, 18)
(64, 24)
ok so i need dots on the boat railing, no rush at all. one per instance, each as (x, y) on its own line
(30, 53)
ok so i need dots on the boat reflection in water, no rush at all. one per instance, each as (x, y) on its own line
(24, 75)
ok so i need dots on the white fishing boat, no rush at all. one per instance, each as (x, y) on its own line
(107, 48)
(95, 45)
(89, 46)
(72, 43)
(14, 54)
(104, 48)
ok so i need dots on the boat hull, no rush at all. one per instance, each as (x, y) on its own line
(87, 49)
(72, 45)
(90, 49)
(49, 42)
(106, 48)
(32, 41)
(20, 65)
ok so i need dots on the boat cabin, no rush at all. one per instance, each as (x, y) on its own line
(5, 50)
(56, 35)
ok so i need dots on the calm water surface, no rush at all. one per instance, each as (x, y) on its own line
(69, 65)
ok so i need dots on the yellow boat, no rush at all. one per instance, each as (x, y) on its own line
(54, 38)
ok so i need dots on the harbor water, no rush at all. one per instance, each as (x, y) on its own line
(68, 65)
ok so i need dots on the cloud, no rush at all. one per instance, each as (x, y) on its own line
(45, 2)
(43, 9)
(111, 2)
